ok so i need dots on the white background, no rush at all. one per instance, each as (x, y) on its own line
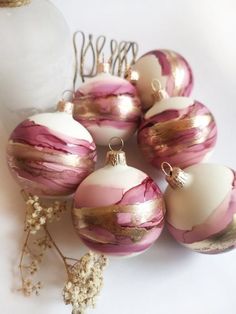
(168, 279)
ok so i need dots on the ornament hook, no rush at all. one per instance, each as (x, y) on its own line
(71, 92)
(158, 92)
(116, 139)
(175, 176)
(113, 49)
(135, 49)
(100, 44)
(156, 85)
(167, 168)
(76, 57)
(65, 105)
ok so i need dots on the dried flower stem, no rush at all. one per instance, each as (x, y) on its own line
(36, 218)
(64, 259)
(22, 256)
(84, 276)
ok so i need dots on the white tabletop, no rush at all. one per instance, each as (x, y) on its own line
(168, 279)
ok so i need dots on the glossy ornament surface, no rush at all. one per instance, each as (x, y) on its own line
(125, 214)
(107, 106)
(178, 130)
(201, 207)
(36, 51)
(170, 68)
(49, 154)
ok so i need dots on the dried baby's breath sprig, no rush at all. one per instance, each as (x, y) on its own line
(28, 288)
(84, 276)
(85, 282)
(38, 215)
(30, 261)
(84, 279)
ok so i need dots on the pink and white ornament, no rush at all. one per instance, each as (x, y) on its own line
(178, 130)
(125, 214)
(49, 154)
(201, 207)
(107, 106)
(170, 68)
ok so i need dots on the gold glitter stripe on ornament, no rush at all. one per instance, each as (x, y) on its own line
(165, 131)
(13, 3)
(141, 212)
(220, 242)
(87, 107)
(23, 152)
(106, 218)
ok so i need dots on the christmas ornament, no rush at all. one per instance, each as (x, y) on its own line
(107, 106)
(50, 153)
(36, 53)
(170, 68)
(178, 130)
(126, 213)
(201, 207)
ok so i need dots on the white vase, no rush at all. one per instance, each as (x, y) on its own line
(35, 60)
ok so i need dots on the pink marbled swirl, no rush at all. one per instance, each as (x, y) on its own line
(171, 64)
(181, 137)
(111, 232)
(100, 104)
(218, 233)
(46, 162)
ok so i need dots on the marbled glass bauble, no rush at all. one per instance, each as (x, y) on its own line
(118, 210)
(201, 207)
(178, 130)
(49, 154)
(107, 106)
(170, 68)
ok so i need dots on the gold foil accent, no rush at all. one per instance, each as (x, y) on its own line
(223, 241)
(106, 218)
(65, 106)
(162, 133)
(13, 3)
(89, 108)
(166, 130)
(23, 152)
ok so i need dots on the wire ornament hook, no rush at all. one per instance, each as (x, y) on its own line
(167, 169)
(124, 61)
(81, 62)
(116, 139)
(113, 50)
(156, 85)
(72, 93)
(135, 50)
(119, 55)
(100, 44)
